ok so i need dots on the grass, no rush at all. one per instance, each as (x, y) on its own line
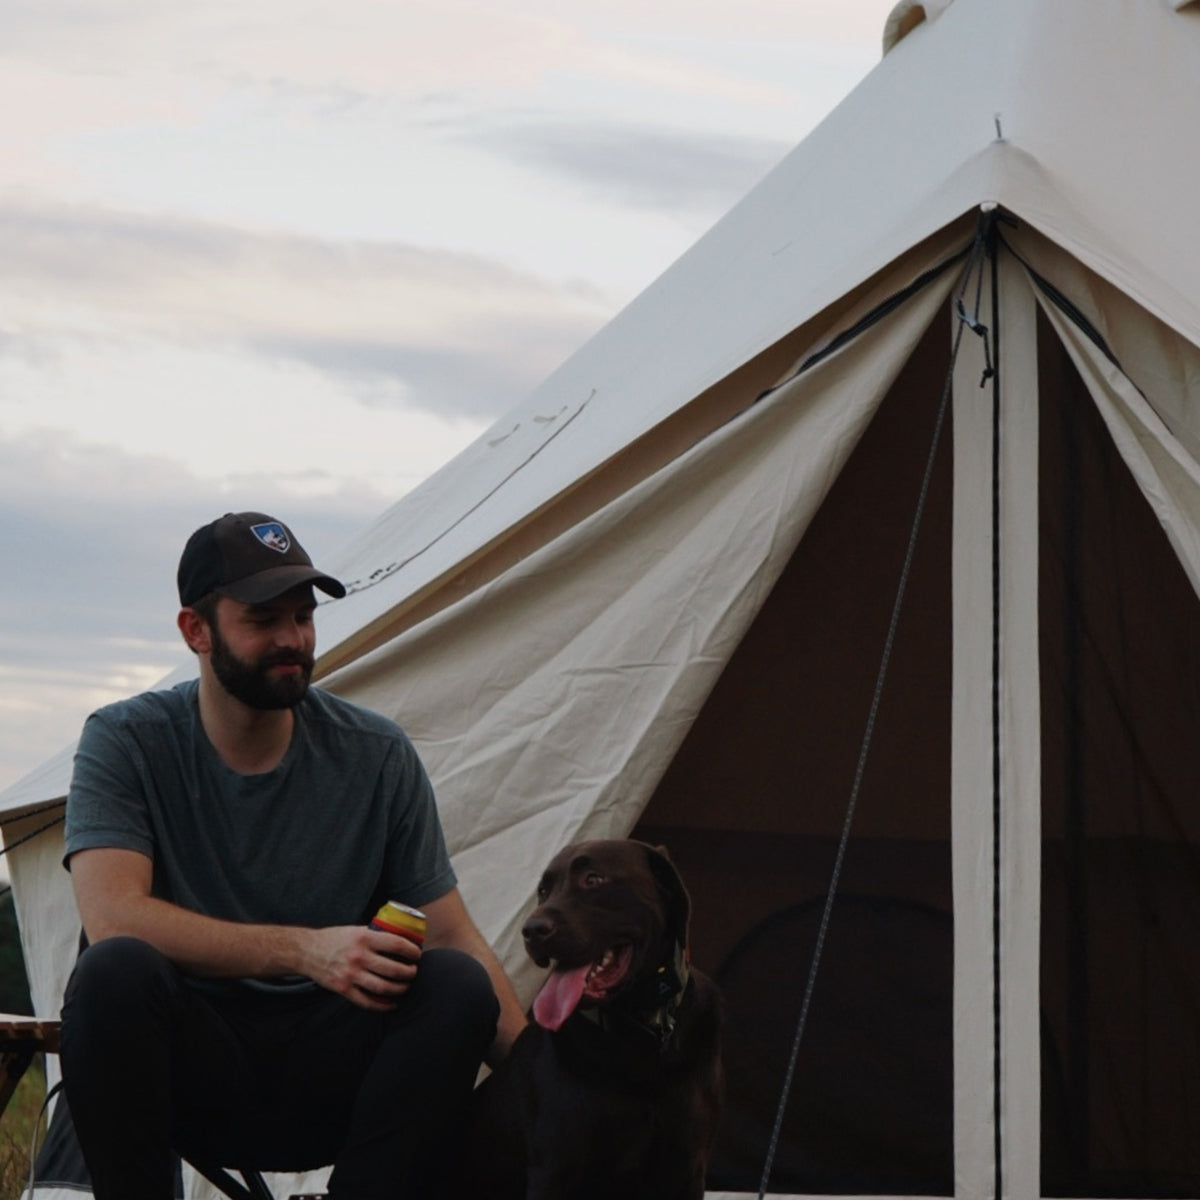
(16, 1131)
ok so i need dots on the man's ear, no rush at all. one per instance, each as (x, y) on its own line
(195, 631)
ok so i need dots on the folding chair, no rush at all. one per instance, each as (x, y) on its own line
(20, 1039)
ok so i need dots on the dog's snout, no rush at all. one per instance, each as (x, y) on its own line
(537, 928)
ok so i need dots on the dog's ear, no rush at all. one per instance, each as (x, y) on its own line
(676, 901)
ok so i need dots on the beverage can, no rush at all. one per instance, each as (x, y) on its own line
(395, 917)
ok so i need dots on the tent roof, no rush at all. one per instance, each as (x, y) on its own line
(1075, 117)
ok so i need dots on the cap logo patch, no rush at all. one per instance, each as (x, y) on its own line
(273, 536)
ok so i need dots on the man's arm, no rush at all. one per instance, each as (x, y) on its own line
(449, 924)
(368, 967)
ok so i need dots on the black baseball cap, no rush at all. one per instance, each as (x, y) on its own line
(249, 557)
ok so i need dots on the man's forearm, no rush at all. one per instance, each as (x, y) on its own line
(206, 946)
(367, 967)
(372, 969)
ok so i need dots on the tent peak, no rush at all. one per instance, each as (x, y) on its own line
(907, 15)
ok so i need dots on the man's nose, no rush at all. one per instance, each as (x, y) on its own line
(290, 634)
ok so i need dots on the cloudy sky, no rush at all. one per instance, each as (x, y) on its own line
(295, 255)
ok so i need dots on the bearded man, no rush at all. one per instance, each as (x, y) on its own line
(229, 840)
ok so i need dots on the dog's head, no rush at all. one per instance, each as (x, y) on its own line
(612, 919)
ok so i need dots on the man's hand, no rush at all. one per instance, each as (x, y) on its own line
(369, 967)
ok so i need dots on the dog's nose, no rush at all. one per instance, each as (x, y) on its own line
(537, 929)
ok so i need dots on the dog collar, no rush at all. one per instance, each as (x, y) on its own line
(671, 984)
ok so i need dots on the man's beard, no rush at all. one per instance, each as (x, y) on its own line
(252, 684)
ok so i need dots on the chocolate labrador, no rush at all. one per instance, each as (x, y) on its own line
(614, 1090)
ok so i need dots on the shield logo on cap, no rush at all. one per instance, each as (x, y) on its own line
(273, 536)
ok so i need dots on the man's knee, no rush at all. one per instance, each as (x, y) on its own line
(457, 986)
(119, 972)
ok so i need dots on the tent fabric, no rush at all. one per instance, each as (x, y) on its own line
(1161, 365)
(1168, 475)
(651, 594)
(46, 912)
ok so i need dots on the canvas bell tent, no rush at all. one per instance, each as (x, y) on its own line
(857, 562)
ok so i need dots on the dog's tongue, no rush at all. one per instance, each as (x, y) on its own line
(559, 996)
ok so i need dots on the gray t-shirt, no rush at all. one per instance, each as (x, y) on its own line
(344, 822)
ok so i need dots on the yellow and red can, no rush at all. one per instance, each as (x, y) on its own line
(395, 917)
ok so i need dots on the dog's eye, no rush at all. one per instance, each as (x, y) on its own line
(593, 879)
(543, 890)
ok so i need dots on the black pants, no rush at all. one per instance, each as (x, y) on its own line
(154, 1066)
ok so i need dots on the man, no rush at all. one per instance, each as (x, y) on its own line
(228, 842)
